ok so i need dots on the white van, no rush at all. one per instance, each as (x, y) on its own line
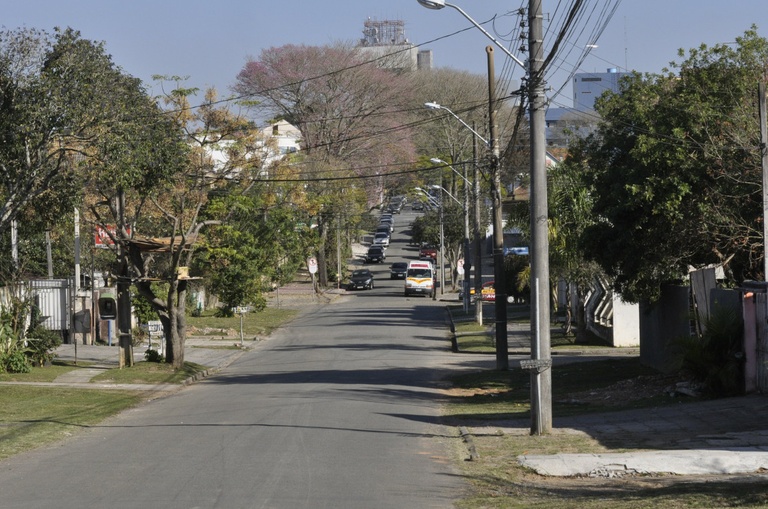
(420, 278)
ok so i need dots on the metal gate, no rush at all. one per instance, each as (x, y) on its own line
(761, 315)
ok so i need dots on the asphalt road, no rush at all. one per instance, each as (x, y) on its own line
(338, 410)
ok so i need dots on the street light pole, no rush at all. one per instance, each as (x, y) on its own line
(541, 374)
(465, 207)
(477, 240)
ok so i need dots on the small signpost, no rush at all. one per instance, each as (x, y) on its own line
(312, 266)
(241, 310)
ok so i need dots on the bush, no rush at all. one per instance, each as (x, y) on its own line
(41, 344)
(16, 362)
(152, 355)
(716, 359)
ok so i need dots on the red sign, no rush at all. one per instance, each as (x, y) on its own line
(101, 236)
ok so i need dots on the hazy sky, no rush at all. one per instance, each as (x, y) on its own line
(210, 41)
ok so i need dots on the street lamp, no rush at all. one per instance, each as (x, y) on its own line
(439, 4)
(465, 206)
(500, 305)
(436, 106)
(541, 361)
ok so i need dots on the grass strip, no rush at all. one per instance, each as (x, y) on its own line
(35, 416)
(149, 373)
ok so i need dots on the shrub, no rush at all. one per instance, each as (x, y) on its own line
(152, 355)
(16, 362)
(716, 359)
(41, 344)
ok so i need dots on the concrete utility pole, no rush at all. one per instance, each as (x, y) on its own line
(500, 286)
(477, 240)
(541, 360)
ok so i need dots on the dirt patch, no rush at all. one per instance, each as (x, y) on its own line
(629, 391)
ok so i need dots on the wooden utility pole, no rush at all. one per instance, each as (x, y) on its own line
(764, 161)
(500, 285)
(125, 341)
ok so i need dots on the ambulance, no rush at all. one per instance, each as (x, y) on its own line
(420, 278)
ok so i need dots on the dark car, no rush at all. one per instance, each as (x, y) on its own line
(361, 279)
(397, 270)
(375, 254)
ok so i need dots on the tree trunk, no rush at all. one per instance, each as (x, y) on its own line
(174, 340)
(567, 329)
(322, 259)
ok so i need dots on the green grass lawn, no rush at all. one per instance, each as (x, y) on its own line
(32, 416)
(257, 323)
(149, 373)
(44, 374)
(35, 416)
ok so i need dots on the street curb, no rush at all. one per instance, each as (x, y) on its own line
(201, 375)
(469, 440)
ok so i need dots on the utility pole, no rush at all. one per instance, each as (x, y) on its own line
(467, 262)
(477, 240)
(761, 100)
(124, 294)
(500, 286)
(541, 360)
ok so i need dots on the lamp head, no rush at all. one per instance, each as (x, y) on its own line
(432, 106)
(432, 4)
(435, 160)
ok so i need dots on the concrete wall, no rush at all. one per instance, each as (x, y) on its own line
(626, 324)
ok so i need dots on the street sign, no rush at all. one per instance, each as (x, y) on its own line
(536, 364)
(312, 264)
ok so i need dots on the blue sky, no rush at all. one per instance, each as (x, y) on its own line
(210, 41)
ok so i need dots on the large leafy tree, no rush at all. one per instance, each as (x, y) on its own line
(350, 112)
(263, 241)
(674, 171)
(168, 216)
(56, 97)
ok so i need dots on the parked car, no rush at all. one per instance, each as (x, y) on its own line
(428, 252)
(361, 279)
(397, 270)
(375, 254)
(381, 239)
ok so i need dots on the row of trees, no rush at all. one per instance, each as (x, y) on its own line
(181, 182)
(670, 179)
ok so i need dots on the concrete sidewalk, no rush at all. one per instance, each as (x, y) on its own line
(710, 437)
(99, 358)
(723, 436)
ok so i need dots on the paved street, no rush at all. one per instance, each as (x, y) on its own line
(339, 409)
